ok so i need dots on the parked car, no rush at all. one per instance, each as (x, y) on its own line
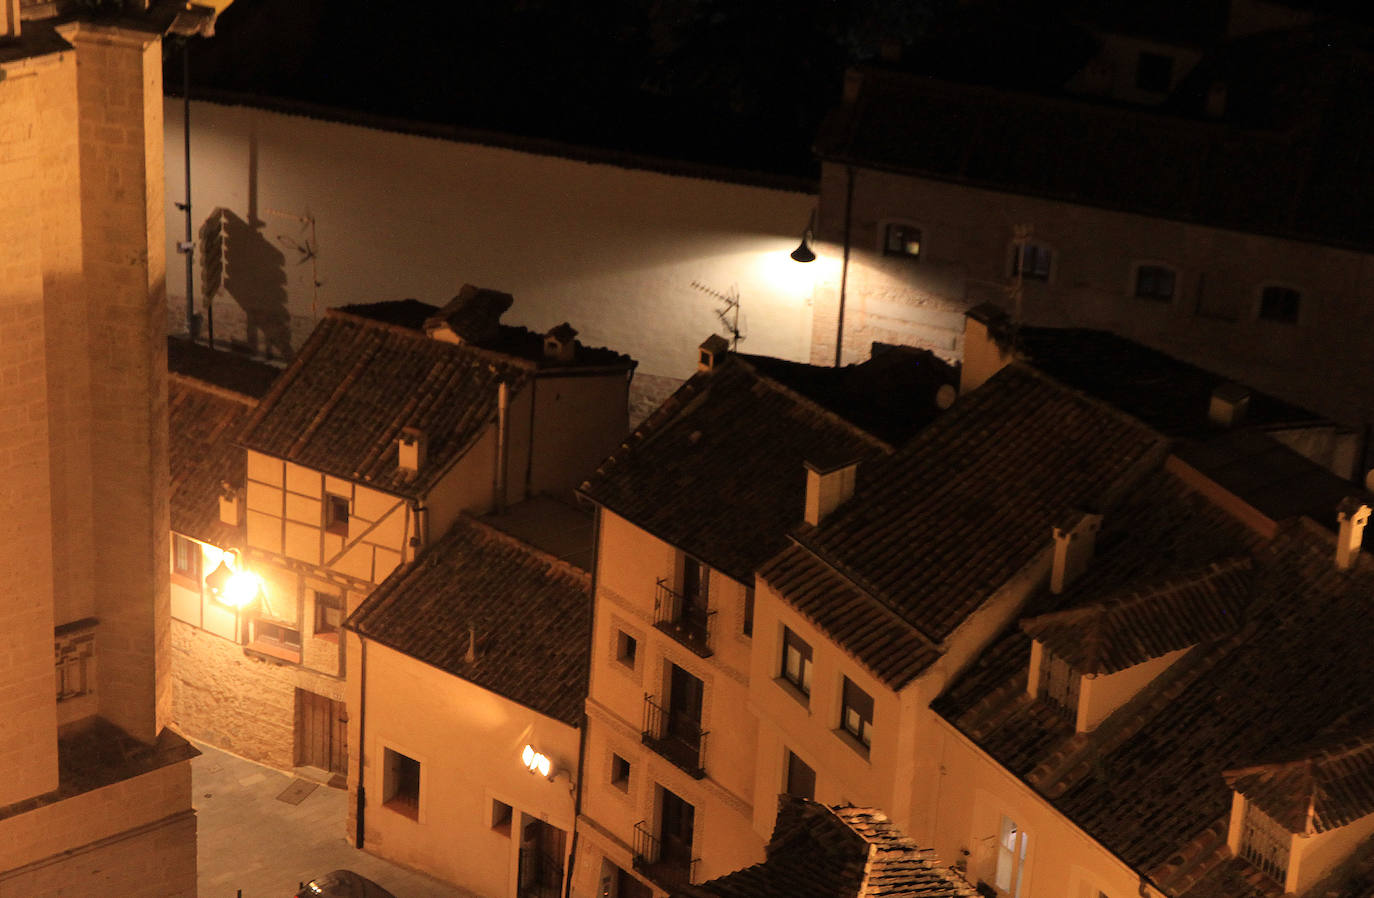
(343, 884)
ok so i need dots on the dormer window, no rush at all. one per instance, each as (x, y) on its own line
(1265, 844)
(1059, 685)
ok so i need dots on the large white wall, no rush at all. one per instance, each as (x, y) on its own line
(613, 250)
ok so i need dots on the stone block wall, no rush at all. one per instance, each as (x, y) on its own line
(154, 861)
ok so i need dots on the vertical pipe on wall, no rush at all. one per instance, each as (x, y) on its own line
(362, 738)
(502, 442)
(844, 265)
(186, 153)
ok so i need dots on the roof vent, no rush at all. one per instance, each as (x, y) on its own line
(560, 344)
(1229, 402)
(712, 352)
(230, 504)
(1351, 516)
(829, 484)
(1074, 540)
(473, 316)
(471, 656)
(410, 449)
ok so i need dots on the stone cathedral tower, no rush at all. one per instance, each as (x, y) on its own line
(95, 796)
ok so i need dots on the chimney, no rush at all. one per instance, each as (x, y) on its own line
(472, 317)
(712, 352)
(230, 505)
(410, 449)
(1351, 516)
(829, 484)
(988, 345)
(1074, 540)
(471, 657)
(560, 344)
(1229, 402)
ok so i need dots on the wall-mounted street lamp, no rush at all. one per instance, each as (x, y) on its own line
(234, 585)
(536, 762)
(803, 252)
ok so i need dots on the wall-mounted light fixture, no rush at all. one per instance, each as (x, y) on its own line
(803, 252)
(230, 583)
(536, 762)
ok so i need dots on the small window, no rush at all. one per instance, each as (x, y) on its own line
(1154, 72)
(696, 582)
(401, 784)
(626, 648)
(1059, 684)
(620, 773)
(277, 635)
(186, 558)
(1033, 262)
(902, 240)
(748, 627)
(1154, 282)
(74, 667)
(1012, 844)
(336, 514)
(501, 814)
(1265, 844)
(856, 712)
(1280, 304)
(801, 779)
(796, 661)
(328, 614)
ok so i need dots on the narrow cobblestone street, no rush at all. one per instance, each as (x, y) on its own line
(251, 841)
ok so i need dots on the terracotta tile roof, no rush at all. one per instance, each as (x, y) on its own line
(1326, 789)
(718, 469)
(893, 651)
(1149, 783)
(227, 370)
(356, 383)
(934, 530)
(203, 421)
(528, 613)
(1129, 628)
(842, 852)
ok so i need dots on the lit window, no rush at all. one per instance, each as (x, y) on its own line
(902, 240)
(620, 773)
(401, 784)
(328, 614)
(626, 648)
(1012, 844)
(801, 779)
(796, 661)
(280, 636)
(1032, 262)
(1154, 282)
(1280, 304)
(186, 558)
(336, 514)
(856, 712)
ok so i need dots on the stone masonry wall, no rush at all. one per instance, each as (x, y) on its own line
(157, 861)
(238, 702)
(28, 715)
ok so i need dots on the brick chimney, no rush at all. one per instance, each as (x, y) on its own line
(1351, 516)
(988, 345)
(410, 449)
(829, 484)
(230, 504)
(1074, 540)
(1229, 404)
(712, 352)
(560, 344)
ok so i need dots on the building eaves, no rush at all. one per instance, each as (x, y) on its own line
(203, 420)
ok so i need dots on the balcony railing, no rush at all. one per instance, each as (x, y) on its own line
(665, 864)
(541, 875)
(683, 618)
(675, 736)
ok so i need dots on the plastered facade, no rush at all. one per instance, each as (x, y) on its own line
(613, 250)
(1322, 361)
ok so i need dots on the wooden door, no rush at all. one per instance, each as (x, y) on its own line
(321, 732)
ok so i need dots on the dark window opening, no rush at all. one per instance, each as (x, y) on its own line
(1032, 262)
(336, 514)
(902, 240)
(856, 712)
(620, 773)
(801, 779)
(748, 627)
(796, 661)
(1154, 282)
(401, 784)
(626, 648)
(328, 613)
(1280, 304)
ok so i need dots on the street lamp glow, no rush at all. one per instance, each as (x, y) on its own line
(536, 762)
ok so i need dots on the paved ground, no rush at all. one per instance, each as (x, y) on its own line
(251, 841)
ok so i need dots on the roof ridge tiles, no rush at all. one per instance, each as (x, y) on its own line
(495, 534)
(205, 386)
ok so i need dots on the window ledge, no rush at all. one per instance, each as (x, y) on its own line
(852, 741)
(404, 807)
(272, 653)
(791, 689)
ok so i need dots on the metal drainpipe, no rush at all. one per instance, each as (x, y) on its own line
(362, 739)
(186, 147)
(844, 267)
